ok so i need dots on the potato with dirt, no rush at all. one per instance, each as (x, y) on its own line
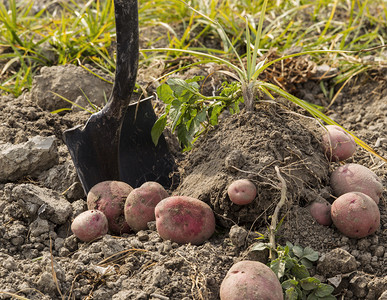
(355, 215)
(320, 210)
(242, 191)
(250, 280)
(140, 204)
(109, 197)
(184, 219)
(356, 178)
(90, 225)
(338, 144)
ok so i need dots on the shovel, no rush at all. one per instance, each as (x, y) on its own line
(114, 143)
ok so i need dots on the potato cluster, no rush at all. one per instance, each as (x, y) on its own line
(355, 211)
(116, 207)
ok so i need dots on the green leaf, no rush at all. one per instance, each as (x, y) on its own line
(215, 112)
(278, 267)
(310, 283)
(158, 128)
(324, 290)
(299, 271)
(289, 283)
(291, 293)
(165, 93)
(289, 262)
(260, 246)
(306, 262)
(180, 87)
(298, 251)
(310, 254)
(312, 297)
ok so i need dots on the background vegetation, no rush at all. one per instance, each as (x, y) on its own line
(78, 32)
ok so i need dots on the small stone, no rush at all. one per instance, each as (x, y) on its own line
(379, 251)
(9, 263)
(337, 261)
(238, 235)
(363, 244)
(365, 258)
(142, 235)
(39, 227)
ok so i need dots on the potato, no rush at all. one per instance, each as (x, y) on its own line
(140, 204)
(242, 191)
(184, 219)
(337, 143)
(250, 280)
(109, 197)
(90, 225)
(320, 209)
(356, 178)
(355, 215)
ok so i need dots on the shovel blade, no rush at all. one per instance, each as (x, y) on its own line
(94, 150)
(140, 160)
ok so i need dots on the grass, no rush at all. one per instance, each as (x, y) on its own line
(84, 33)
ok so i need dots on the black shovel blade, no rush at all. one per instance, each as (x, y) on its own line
(94, 149)
(140, 160)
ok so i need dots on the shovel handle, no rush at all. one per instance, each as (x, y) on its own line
(126, 12)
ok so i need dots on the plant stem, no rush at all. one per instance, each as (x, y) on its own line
(274, 217)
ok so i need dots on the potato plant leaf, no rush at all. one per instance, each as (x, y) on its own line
(310, 254)
(299, 271)
(309, 283)
(158, 128)
(324, 290)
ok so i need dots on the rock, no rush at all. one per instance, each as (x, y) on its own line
(238, 235)
(35, 201)
(337, 261)
(38, 227)
(29, 158)
(383, 296)
(46, 283)
(359, 284)
(63, 178)
(60, 80)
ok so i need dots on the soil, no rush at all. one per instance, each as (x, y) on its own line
(41, 259)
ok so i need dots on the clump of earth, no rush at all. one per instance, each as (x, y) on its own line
(40, 195)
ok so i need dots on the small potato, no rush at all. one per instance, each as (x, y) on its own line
(337, 143)
(355, 215)
(140, 204)
(321, 211)
(242, 191)
(90, 225)
(184, 220)
(356, 178)
(109, 197)
(250, 280)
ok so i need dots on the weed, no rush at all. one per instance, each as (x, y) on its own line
(291, 264)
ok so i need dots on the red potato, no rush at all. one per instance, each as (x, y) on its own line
(356, 178)
(242, 191)
(90, 225)
(184, 220)
(321, 211)
(250, 280)
(355, 215)
(109, 197)
(337, 143)
(140, 204)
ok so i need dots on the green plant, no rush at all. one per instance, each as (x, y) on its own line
(249, 86)
(291, 264)
(190, 112)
